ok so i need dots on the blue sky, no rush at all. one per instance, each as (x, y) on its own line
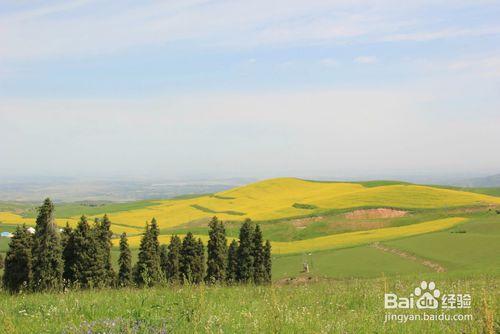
(239, 88)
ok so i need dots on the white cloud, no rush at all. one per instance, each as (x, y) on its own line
(329, 62)
(365, 60)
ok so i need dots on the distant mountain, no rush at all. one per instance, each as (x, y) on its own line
(109, 190)
(486, 181)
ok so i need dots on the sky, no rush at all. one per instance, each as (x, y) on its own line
(199, 88)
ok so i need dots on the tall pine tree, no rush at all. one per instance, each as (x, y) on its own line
(88, 268)
(189, 258)
(172, 269)
(163, 261)
(147, 271)
(267, 262)
(258, 256)
(18, 261)
(217, 252)
(199, 270)
(232, 262)
(65, 235)
(48, 263)
(245, 270)
(124, 262)
(104, 235)
(69, 254)
(155, 233)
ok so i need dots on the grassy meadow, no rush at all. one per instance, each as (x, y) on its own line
(359, 240)
(328, 306)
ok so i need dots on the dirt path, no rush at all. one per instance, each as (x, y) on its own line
(433, 265)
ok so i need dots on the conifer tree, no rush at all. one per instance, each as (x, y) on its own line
(147, 270)
(189, 258)
(104, 235)
(173, 273)
(65, 235)
(163, 261)
(18, 262)
(88, 268)
(69, 254)
(267, 262)
(244, 272)
(232, 262)
(48, 263)
(124, 262)
(199, 271)
(155, 232)
(258, 256)
(217, 252)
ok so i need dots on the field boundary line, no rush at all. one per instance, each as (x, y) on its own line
(403, 254)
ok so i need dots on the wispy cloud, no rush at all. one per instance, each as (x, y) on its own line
(88, 27)
(486, 65)
(424, 36)
(365, 60)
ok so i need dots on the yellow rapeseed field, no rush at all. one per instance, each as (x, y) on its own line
(12, 218)
(274, 199)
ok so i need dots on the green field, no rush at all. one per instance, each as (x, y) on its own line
(473, 252)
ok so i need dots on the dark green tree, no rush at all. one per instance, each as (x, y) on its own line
(232, 262)
(267, 262)
(189, 258)
(258, 256)
(48, 263)
(245, 269)
(217, 252)
(155, 233)
(65, 235)
(1, 261)
(173, 272)
(18, 262)
(163, 261)
(69, 254)
(88, 268)
(199, 269)
(147, 271)
(124, 262)
(104, 235)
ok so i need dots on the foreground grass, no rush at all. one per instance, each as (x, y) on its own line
(343, 306)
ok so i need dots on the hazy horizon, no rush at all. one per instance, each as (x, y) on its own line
(324, 89)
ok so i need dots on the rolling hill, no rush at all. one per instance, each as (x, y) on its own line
(295, 213)
(276, 199)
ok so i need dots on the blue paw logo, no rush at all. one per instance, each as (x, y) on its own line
(427, 295)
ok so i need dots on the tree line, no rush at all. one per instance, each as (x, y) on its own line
(80, 257)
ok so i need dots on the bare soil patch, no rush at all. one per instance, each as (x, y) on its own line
(375, 213)
(304, 222)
